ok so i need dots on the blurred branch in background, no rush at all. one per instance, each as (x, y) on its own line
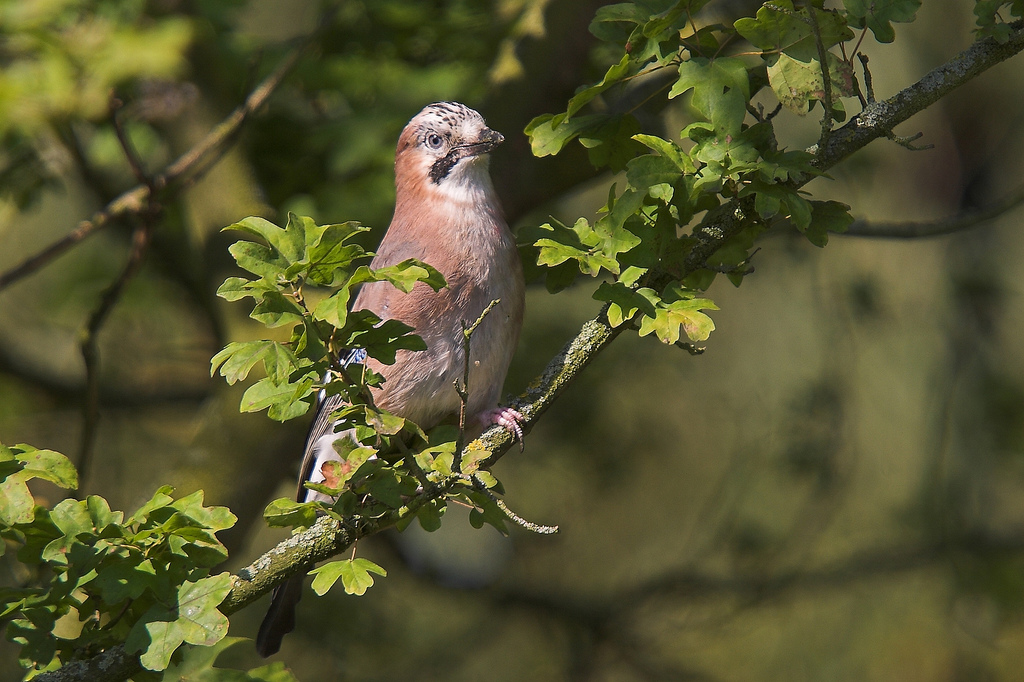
(915, 230)
(618, 619)
(146, 221)
(63, 392)
(188, 168)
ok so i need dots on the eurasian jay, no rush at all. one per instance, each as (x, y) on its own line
(447, 215)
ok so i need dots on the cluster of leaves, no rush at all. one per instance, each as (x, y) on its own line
(729, 152)
(418, 486)
(289, 258)
(388, 468)
(99, 578)
(198, 664)
(990, 19)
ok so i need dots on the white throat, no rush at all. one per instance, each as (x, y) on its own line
(468, 183)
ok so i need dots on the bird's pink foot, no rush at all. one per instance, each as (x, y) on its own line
(507, 418)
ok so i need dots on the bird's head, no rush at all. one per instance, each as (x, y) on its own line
(444, 149)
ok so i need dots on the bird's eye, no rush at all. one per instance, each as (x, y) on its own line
(434, 141)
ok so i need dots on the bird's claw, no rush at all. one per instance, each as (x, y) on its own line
(507, 418)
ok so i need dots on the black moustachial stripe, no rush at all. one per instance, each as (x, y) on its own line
(440, 169)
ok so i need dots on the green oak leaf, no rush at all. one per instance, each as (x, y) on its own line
(877, 15)
(16, 501)
(550, 133)
(668, 149)
(624, 302)
(779, 27)
(330, 257)
(236, 288)
(238, 358)
(160, 499)
(276, 309)
(486, 510)
(288, 244)
(214, 518)
(796, 82)
(649, 170)
(827, 216)
(198, 621)
(430, 513)
(287, 512)
(45, 464)
(614, 74)
(677, 309)
(334, 309)
(408, 273)
(282, 401)
(721, 89)
(354, 574)
(611, 144)
(125, 580)
(197, 665)
(614, 23)
(383, 341)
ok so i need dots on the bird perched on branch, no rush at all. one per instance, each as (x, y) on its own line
(447, 215)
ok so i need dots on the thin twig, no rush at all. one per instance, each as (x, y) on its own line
(759, 112)
(869, 88)
(908, 142)
(134, 162)
(90, 352)
(512, 516)
(881, 117)
(463, 390)
(691, 348)
(826, 119)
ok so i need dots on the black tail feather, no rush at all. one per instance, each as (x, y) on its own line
(280, 618)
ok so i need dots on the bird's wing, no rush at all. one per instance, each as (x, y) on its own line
(322, 423)
(378, 298)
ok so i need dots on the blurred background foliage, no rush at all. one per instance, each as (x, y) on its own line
(833, 491)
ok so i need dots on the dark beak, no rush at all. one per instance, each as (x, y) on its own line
(487, 142)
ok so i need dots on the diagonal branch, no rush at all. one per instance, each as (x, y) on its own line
(187, 168)
(879, 118)
(328, 537)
